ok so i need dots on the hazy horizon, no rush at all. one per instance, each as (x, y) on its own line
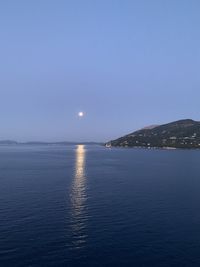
(126, 65)
(78, 141)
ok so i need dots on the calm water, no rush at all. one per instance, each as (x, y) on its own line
(91, 206)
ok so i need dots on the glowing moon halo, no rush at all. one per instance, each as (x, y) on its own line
(80, 114)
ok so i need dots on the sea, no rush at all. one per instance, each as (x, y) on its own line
(87, 205)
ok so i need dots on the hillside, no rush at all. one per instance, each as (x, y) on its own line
(178, 134)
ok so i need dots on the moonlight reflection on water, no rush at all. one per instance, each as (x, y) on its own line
(78, 200)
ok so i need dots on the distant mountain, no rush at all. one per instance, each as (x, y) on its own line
(7, 142)
(178, 134)
(60, 143)
(10, 142)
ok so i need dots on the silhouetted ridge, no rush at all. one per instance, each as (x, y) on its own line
(178, 134)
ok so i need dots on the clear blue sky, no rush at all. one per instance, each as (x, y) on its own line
(127, 64)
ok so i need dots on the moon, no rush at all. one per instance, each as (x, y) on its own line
(81, 114)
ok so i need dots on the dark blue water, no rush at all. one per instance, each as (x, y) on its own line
(91, 206)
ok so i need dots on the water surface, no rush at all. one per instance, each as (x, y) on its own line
(92, 206)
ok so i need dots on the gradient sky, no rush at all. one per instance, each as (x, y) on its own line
(127, 64)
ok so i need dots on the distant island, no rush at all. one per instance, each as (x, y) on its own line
(11, 142)
(178, 134)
